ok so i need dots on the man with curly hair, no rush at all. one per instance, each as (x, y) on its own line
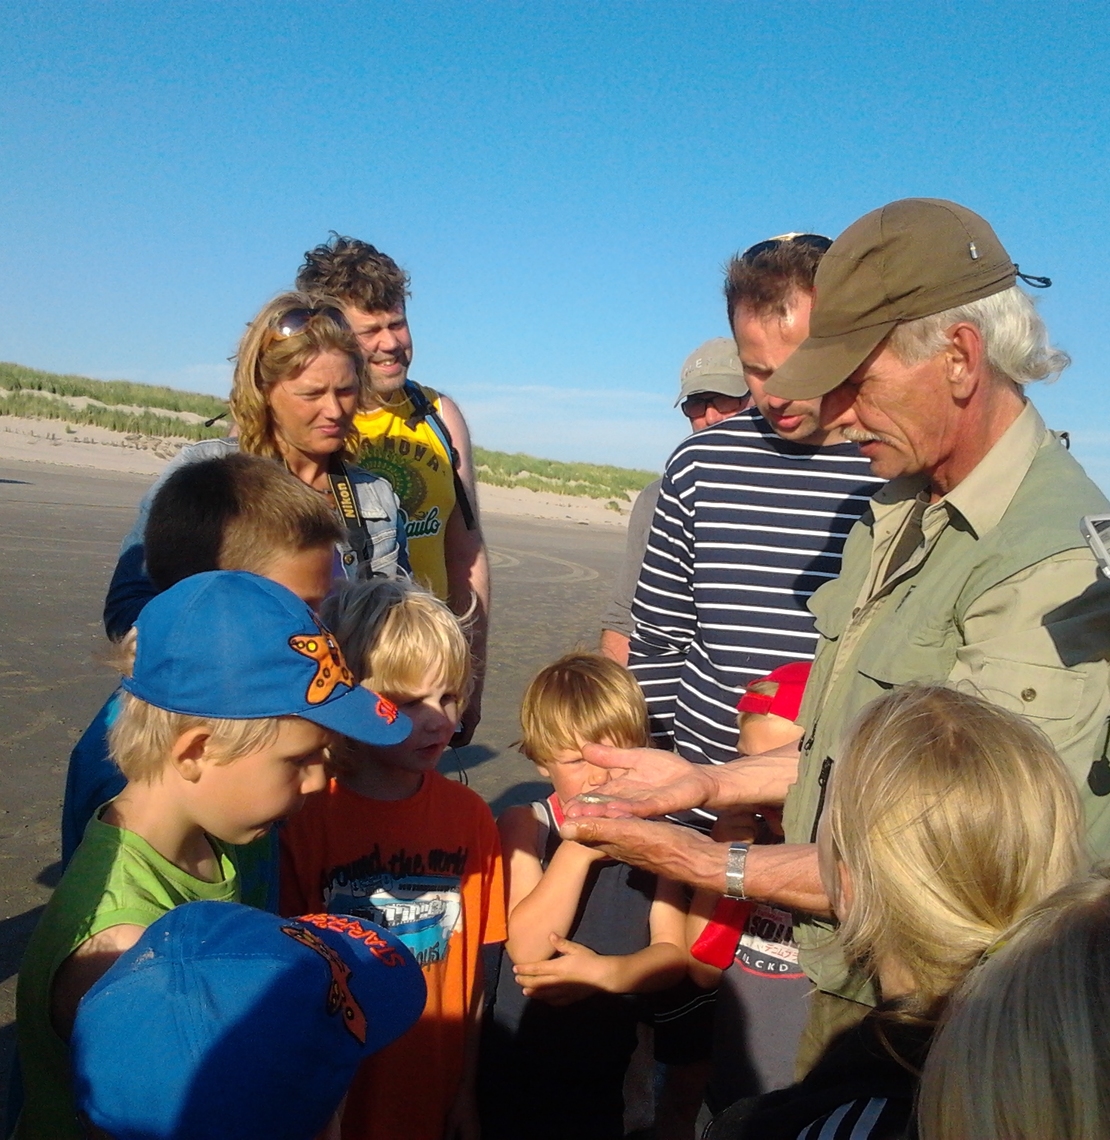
(412, 435)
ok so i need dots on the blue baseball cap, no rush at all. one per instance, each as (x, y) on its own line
(224, 1020)
(228, 644)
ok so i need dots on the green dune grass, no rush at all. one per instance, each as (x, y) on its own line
(43, 395)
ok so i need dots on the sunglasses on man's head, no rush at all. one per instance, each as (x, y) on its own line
(295, 321)
(814, 241)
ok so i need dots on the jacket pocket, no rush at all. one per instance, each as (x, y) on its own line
(1040, 692)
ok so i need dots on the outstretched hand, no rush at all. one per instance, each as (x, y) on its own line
(645, 782)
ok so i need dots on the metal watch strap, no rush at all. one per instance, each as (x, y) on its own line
(734, 870)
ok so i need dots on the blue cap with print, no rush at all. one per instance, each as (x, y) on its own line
(228, 644)
(223, 1020)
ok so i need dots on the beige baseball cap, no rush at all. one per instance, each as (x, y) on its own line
(910, 259)
(712, 367)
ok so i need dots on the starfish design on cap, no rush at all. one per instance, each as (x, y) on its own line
(331, 669)
(340, 999)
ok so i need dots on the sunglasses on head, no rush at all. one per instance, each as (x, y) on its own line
(814, 241)
(295, 321)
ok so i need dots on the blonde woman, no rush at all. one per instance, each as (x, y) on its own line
(948, 819)
(1025, 1049)
(299, 379)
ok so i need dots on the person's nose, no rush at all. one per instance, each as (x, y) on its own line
(387, 341)
(332, 406)
(315, 779)
(712, 416)
(838, 407)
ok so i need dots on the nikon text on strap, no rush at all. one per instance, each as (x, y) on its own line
(346, 499)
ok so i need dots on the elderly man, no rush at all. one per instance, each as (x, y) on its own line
(970, 566)
(711, 388)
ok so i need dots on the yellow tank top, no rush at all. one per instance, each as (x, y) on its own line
(417, 465)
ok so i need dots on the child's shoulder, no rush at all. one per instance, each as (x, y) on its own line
(521, 829)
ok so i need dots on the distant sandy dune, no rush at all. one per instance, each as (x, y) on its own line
(83, 445)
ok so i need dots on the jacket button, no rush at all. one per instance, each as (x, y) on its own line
(1028, 695)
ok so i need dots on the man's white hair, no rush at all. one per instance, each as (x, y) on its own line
(1014, 335)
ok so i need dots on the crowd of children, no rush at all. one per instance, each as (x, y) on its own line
(428, 973)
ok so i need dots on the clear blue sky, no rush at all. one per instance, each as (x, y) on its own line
(562, 180)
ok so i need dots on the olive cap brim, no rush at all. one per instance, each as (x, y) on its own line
(907, 260)
(822, 363)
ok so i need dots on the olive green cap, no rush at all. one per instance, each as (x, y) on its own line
(712, 367)
(910, 259)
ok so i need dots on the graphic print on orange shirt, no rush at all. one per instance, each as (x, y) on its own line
(419, 902)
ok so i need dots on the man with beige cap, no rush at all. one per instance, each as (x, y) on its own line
(969, 568)
(711, 388)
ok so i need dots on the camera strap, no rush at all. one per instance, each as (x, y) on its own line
(346, 500)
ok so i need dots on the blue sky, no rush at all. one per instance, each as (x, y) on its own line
(562, 180)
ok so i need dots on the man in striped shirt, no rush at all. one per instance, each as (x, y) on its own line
(751, 519)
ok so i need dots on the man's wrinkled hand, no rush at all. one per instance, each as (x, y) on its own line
(669, 850)
(645, 782)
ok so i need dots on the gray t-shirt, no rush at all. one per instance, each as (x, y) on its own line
(618, 615)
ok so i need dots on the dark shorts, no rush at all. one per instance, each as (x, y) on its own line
(682, 1018)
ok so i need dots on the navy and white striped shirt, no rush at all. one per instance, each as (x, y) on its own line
(747, 527)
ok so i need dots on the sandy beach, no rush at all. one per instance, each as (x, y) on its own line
(83, 445)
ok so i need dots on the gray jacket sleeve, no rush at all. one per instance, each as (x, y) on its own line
(618, 614)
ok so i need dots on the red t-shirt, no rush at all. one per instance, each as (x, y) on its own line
(429, 869)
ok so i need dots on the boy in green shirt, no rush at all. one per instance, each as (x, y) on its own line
(224, 729)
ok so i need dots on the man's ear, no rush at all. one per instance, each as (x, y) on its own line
(966, 359)
(543, 771)
(188, 752)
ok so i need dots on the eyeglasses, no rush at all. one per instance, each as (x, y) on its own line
(813, 241)
(295, 321)
(693, 407)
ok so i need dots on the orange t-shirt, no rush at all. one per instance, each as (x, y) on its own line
(429, 869)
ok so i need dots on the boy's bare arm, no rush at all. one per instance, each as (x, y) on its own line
(541, 903)
(82, 969)
(580, 971)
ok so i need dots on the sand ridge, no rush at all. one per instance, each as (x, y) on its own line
(84, 445)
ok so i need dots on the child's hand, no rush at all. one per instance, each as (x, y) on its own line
(576, 974)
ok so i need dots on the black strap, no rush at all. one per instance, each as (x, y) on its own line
(1036, 282)
(346, 500)
(423, 409)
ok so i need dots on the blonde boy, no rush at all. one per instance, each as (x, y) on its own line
(240, 512)
(224, 729)
(394, 841)
(584, 932)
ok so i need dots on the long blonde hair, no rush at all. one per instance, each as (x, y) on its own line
(953, 818)
(266, 358)
(1025, 1049)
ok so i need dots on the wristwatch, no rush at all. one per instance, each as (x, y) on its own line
(734, 870)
